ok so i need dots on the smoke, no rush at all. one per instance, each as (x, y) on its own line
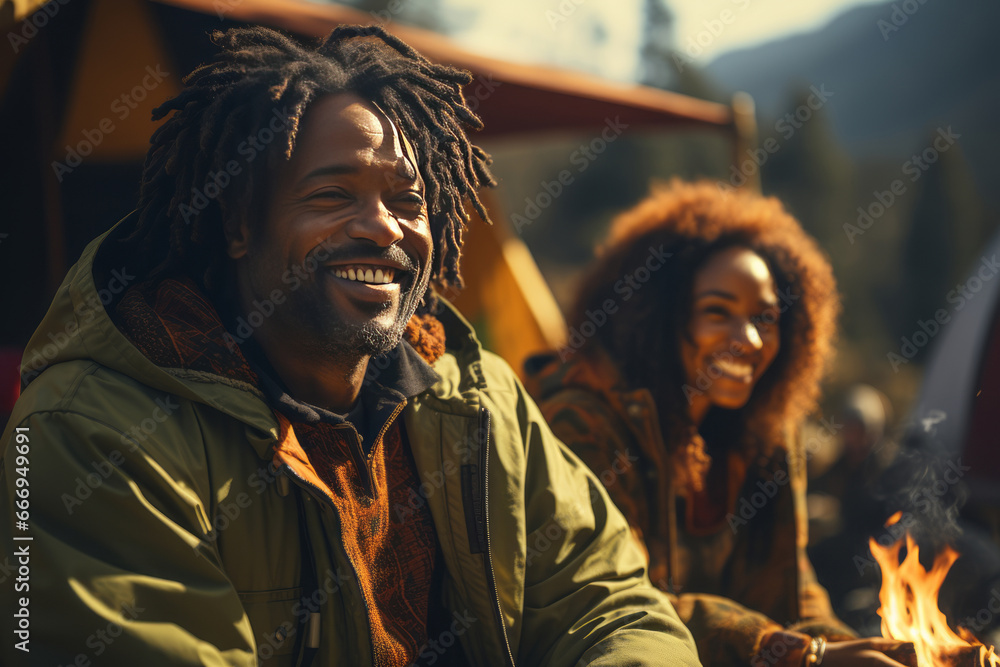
(926, 482)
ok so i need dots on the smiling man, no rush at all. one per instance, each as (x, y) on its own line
(351, 196)
(275, 444)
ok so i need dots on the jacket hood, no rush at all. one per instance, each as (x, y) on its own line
(79, 327)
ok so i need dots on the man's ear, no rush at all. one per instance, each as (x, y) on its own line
(237, 232)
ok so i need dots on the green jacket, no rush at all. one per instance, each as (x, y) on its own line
(161, 536)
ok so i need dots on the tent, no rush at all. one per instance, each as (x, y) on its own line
(81, 78)
(956, 414)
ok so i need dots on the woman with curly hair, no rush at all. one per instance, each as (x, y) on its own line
(699, 339)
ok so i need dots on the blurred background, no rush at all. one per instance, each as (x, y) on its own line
(874, 122)
(889, 91)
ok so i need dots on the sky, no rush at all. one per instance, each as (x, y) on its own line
(562, 32)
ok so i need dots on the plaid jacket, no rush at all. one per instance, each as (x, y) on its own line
(752, 557)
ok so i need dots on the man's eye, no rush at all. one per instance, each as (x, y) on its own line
(330, 194)
(411, 198)
(409, 205)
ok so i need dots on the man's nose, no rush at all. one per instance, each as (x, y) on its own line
(376, 223)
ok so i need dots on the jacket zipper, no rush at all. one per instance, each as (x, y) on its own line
(321, 497)
(362, 461)
(484, 459)
(385, 429)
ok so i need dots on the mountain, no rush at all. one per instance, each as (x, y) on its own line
(897, 71)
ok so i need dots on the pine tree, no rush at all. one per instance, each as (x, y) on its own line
(655, 53)
(807, 169)
(946, 232)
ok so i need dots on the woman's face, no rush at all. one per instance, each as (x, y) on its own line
(732, 335)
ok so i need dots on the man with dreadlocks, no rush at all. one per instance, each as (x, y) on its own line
(274, 444)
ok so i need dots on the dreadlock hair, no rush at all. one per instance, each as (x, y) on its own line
(690, 222)
(260, 74)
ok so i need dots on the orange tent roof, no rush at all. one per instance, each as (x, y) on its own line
(523, 98)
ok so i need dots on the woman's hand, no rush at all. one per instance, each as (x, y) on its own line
(872, 652)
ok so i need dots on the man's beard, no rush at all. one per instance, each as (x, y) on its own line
(311, 322)
(336, 337)
(340, 339)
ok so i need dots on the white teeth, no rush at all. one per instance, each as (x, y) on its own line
(732, 368)
(376, 277)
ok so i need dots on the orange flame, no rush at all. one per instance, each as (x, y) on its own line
(909, 604)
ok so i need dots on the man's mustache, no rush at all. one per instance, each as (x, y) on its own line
(343, 254)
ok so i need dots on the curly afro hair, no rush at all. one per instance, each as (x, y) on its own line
(692, 221)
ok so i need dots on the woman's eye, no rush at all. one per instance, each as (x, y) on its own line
(765, 321)
(717, 310)
(766, 327)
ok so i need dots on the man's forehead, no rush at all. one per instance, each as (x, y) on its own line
(407, 165)
(347, 113)
(348, 122)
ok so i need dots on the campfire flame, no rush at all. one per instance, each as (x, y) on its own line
(909, 606)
